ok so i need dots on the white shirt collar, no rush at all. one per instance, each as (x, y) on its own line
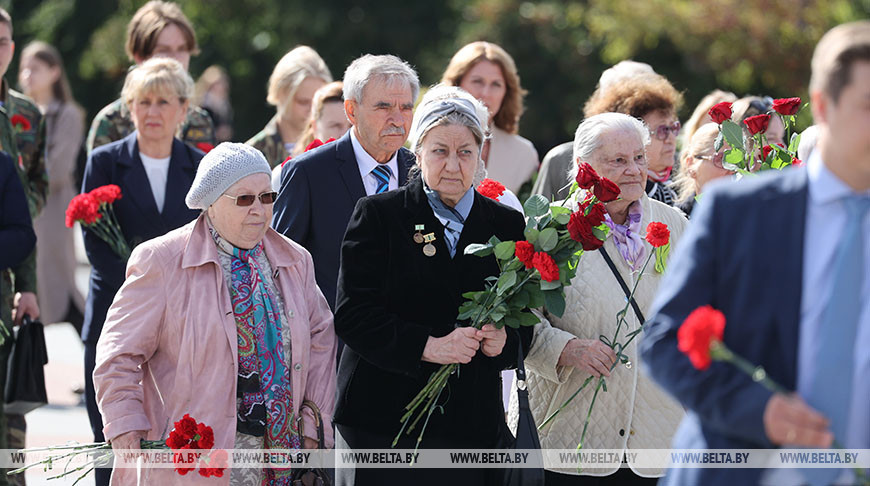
(367, 163)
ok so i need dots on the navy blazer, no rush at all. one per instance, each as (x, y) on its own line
(742, 254)
(16, 230)
(119, 163)
(319, 190)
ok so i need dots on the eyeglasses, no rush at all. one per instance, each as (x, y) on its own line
(716, 158)
(663, 131)
(248, 199)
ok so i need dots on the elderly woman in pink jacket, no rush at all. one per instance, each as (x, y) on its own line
(220, 319)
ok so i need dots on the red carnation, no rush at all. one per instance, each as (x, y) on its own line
(83, 208)
(525, 251)
(757, 124)
(546, 266)
(176, 440)
(586, 176)
(700, 329)
(217, 462)
(186, 426)
(106, 194)
(20, 123)
(606, 190)
(787, 106)
(206, 437)
(205, 146)
(490, 188)
(314, 144)
(580, 229)
(658, 234)
(720, 112)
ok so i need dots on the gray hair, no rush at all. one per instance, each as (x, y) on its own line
(590, 134)
(623, 70)
(368, 67)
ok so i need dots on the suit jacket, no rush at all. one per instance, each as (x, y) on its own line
(119, 163)
(742, 254)
(319, 190)
(392, 297)
(16, 233)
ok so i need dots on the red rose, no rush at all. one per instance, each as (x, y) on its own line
(83, 208)
(490, 188)
(206, 437)
(703, 326)
(757, 124)
(765, 151)
(525, 251)
(787, 106)
(106, 194)
(595, 215)
(20, 123)
(606, 190)
(580, 229)
(720, 112)
(546, 266)
(586, 176)
(658, 234)
(796, 162)
(205, 146)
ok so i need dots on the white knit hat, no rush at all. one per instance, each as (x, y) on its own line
(222, 167)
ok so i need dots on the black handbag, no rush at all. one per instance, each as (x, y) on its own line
(526, 436)
(25, 377)
(313, 476)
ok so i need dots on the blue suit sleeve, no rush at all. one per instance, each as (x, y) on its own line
(16, 231)
(726, 399)
(106, 263)
(293, 207)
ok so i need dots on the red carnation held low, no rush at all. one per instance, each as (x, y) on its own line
(658, 234)
(546, 266)
(525, 251)
(83, 208)
(490, 188)
(106, 194)
(700, 329)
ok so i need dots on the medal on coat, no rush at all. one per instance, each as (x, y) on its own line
(418, 236)
(429, 248)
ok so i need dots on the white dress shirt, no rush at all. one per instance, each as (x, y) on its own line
(825, 223)
(157, 171)
(367, 163)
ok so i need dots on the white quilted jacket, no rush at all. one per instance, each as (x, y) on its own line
(634, 413)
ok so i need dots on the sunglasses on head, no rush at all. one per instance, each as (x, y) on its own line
(762, 105)
(248, 199)
(663, 131)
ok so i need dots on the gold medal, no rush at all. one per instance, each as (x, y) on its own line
(429, 249)
(418, 236)
(429, 238)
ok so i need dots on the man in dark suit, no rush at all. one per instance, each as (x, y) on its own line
(320, 188)
(785, 258)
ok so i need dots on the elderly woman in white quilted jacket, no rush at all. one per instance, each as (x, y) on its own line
(634, 413)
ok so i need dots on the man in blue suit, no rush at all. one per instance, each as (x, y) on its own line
(320, 188)
(785, 257)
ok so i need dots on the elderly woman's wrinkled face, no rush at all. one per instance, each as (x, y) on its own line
(485, 81)
(661, 150)
(622, 159)
(448, 159)
(156, 115)
(243, 226)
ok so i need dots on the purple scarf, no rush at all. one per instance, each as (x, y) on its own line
(627, 237)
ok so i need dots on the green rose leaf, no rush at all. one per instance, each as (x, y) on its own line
(548, 239)
(528, 319)
(733, 134)
(478, 249)
(505, 250)
(545, 285)
(505, 282)
(795, 142)
(599, 233)
(562, 219)
(515, 264)
(520, 299)
(554, 301)
(512, 322)
(733, 159)
(536, 296)
(535, 206)
(532, 235)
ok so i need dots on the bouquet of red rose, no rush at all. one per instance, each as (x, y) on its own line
(533, 272)
(187, 434)
(743, 154)
(93, 210)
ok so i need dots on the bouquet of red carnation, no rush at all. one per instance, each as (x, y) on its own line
(187, 434)
(746, 154)
(93, 210)
(533, 272)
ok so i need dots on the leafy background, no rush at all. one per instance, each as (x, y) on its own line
(560, 47)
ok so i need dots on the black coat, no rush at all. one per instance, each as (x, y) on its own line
(119, 163)
(319, 190)
(391, 298)
(16, 231)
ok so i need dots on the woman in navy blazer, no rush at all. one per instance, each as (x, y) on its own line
(154, 170)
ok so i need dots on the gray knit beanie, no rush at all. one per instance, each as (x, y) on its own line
(225, 165)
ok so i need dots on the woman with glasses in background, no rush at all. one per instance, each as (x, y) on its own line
(700, 164)
(655, 101)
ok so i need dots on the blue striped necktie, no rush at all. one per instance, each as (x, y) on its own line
(831, 388)
(382, 173)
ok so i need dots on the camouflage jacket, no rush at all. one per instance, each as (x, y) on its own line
(268, 141)
(22, 135)
(114, 123)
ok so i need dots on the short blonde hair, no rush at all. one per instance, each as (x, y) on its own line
(703, 139)
(508, 116)
(835, 54)
(298, 64)
(701, 115)
(147, 24)
(158, 75)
